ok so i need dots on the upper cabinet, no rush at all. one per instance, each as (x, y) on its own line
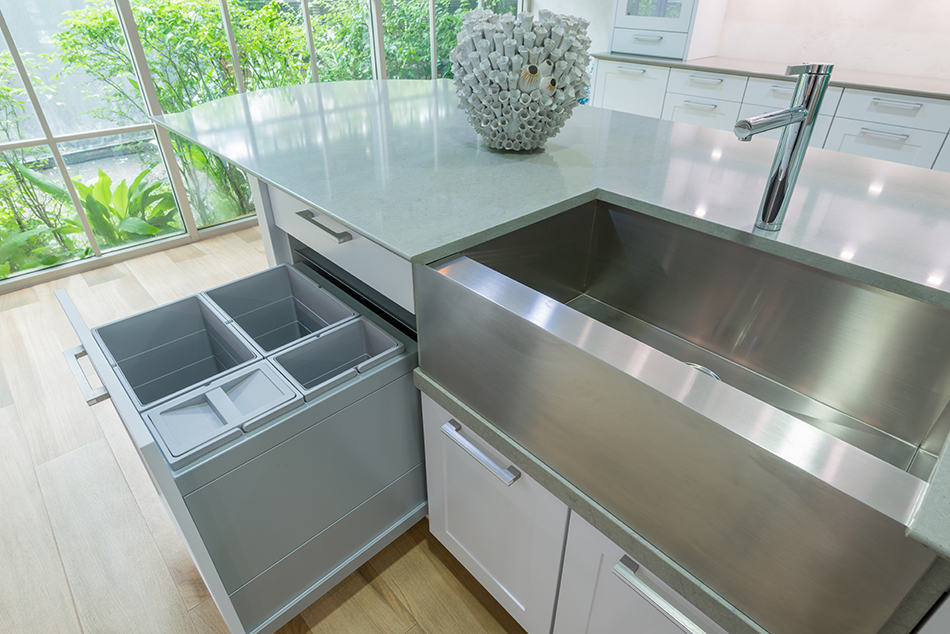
(659, 15)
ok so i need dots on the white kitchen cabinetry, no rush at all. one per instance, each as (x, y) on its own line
(604, 591)
(887, 142)
(775, 94)
(503, 526)
(710, 113)
(634, 88)
(374, 265)
(943, 159)
(895, 109)
(712, 85)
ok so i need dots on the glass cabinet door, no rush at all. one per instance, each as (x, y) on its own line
(662, 15)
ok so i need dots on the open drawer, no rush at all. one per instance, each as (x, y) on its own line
(271, 492)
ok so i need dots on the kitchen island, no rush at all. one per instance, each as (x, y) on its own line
(396, 163)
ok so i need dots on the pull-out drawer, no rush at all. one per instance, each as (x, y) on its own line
(887, 142)
(604, 590)
(651, 43)
(634, 88)
(818, 133)
(710, 113)
(277, 496)
(378, 267)
(777, 94)
(709, 85)
(894, 109)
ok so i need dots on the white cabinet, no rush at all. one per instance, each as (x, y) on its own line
(818, 133)
(634, 88)
(943, 159)
(887, 142)
(504, 527)
(711, 113)
(702, 84)
(895, 109)
(775, 94)
(604, 591)
(660, 16)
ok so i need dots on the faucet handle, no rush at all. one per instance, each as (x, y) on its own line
(809, 69)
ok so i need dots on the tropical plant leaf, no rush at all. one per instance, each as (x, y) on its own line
(102, 189)
(137, 226)
(98, 215)
(120, 200)
(45, 185)
(19, 240)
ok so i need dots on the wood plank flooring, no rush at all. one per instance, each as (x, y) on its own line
(85, 542)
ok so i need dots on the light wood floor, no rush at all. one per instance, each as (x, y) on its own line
(85, 544)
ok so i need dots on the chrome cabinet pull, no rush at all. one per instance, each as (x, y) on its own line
(887, 136)
(92, 395)
(700, 105)
(632, 71)
(648, 38)
(340, 236)
(893, 103)
(626, 569)
(702, 79)
(507, 476)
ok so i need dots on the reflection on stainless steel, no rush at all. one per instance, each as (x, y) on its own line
(798, 120)
(802, 504)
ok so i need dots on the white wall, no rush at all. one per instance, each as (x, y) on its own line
(600, 14)
(908, 37)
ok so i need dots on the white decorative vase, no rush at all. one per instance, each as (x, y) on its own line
(519, 78)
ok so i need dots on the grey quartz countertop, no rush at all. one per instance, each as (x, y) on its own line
(397, 162)
(844, 77)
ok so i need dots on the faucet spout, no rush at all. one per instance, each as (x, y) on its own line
(796, 122)
(745, 129)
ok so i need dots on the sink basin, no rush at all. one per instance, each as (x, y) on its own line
(770, 426)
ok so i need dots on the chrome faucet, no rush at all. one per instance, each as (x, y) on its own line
(798, 120)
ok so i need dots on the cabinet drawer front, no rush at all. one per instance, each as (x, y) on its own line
(896, 109)
(818, 134)
(777, 93)
(634, 88)
(700, 84)
(652, 43)
(943, 159)
(504, 527)
(710, 113)
(385, 271)
(887, 142)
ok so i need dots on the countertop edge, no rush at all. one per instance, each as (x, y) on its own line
(671, 573)
(686, 64)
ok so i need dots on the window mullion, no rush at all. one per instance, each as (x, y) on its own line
(433, 48)
(44, 126)
(308, 31)
(376, 39)
(232, 46)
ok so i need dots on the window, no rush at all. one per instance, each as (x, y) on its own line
(341, 39)
(406, 39)
(448, 22)
(272, 44)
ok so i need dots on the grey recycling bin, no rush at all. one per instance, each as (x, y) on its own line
(278, 307)
(318, 365)
(161, 352)
(213, 415)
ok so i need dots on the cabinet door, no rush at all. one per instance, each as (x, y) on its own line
(887, 142)
(710, 113)
(634, 88)
(670, 15)
(504, 527)
(604, 591)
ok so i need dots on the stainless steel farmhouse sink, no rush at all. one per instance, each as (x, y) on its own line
(768, 425)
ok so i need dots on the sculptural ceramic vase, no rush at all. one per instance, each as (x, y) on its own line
(519, 78)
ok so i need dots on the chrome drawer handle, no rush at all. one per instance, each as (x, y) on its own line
(92, 395)
(625, 570)
(632, 71)
(887, 136)
(700, 105)
(893, 103)
(648, 38)
(340, 236)
(702, 79)
(507, 476)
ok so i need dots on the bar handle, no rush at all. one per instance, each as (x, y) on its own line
(887, 136)
(92, 395)
(508, 476)
(626, 569)
(340, 236)
(894, 103)
(648, 38)
(632, 71)
(702, 79)
(700, 105)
